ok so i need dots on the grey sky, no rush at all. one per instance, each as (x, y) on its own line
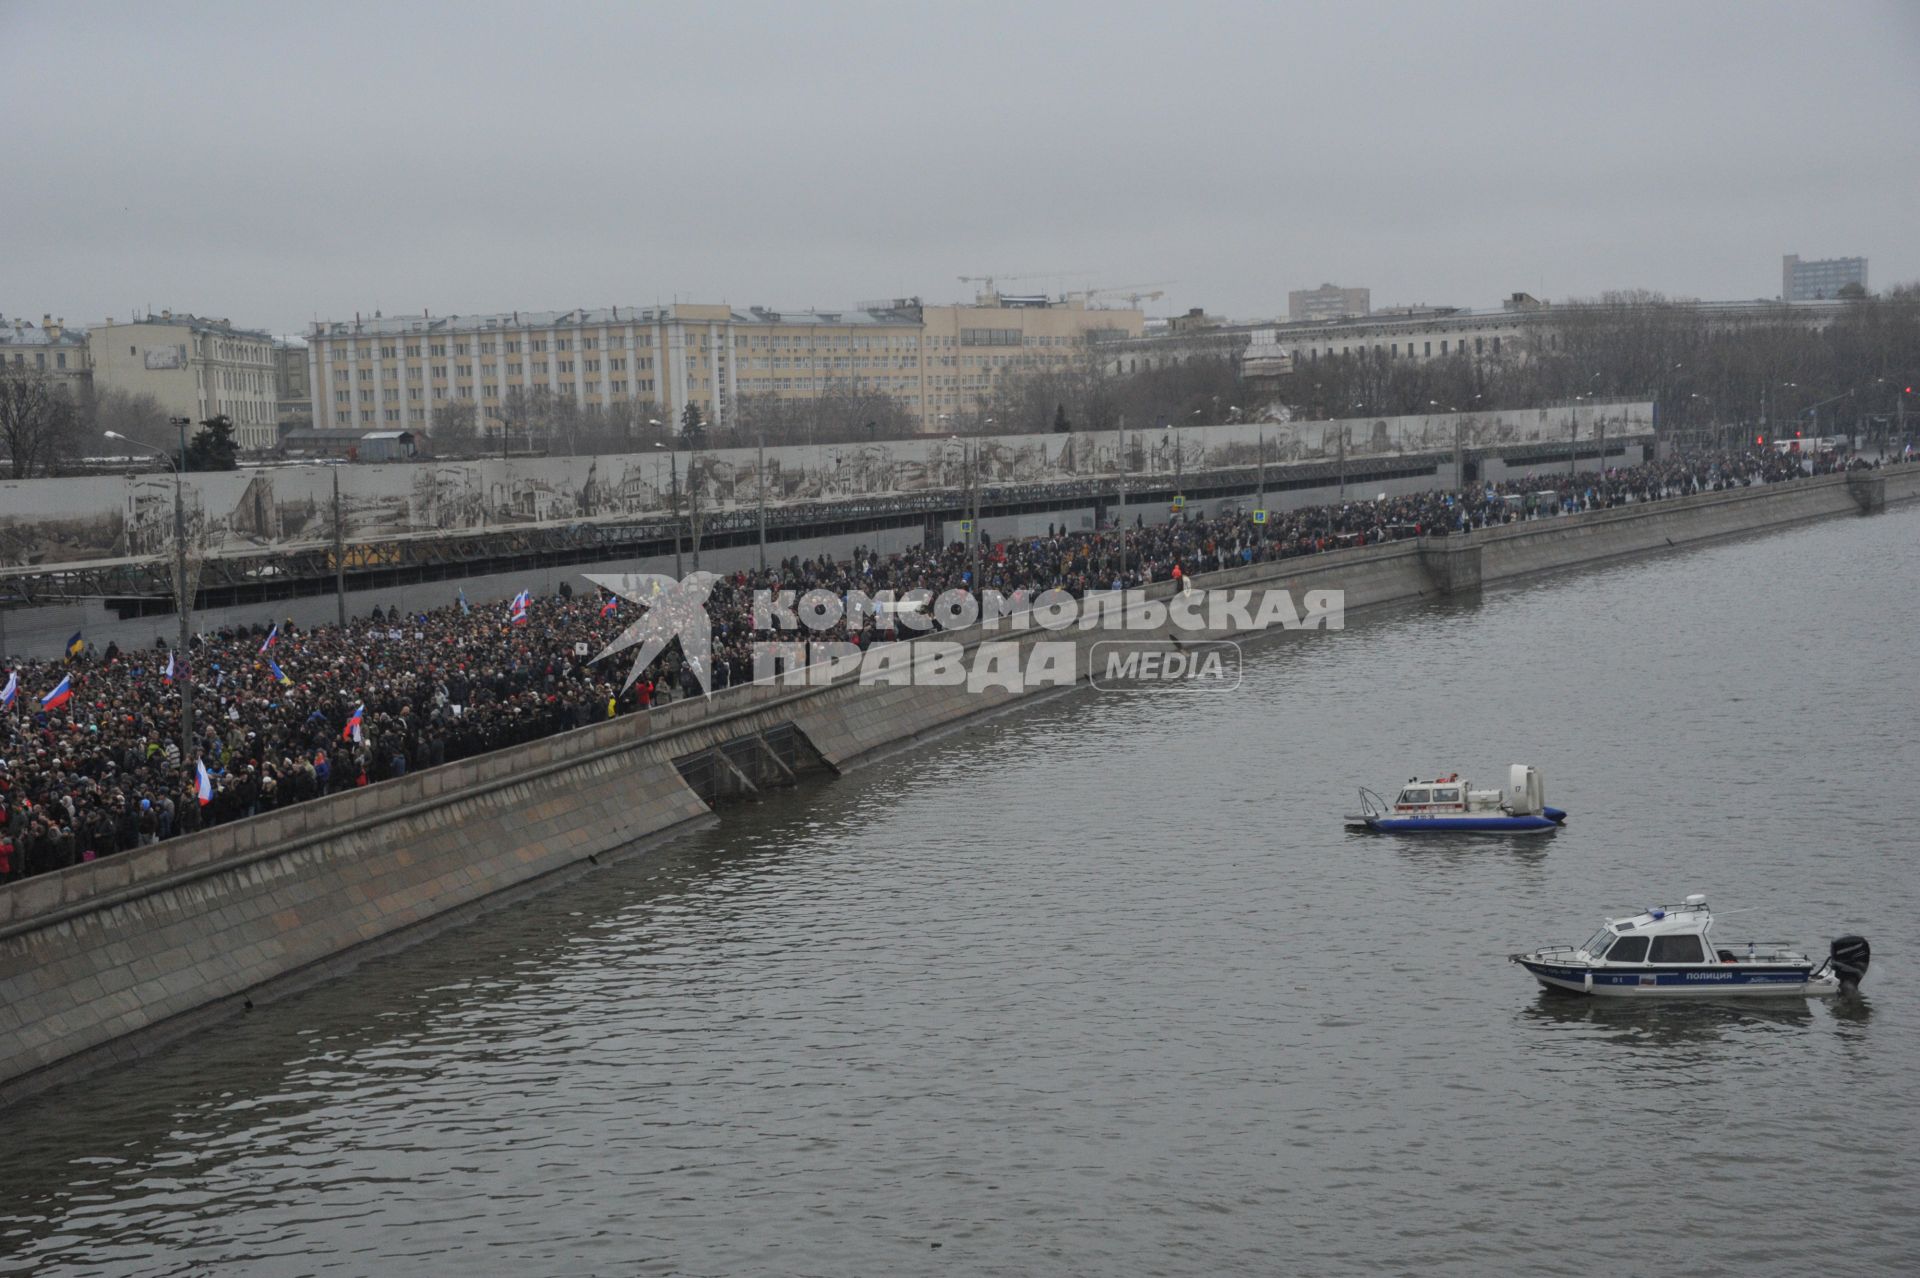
(277, 163)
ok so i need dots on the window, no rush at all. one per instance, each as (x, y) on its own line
(60, 360)
(990, 337)
(1428, 348)
(413, 351)
(464, 370)
(438, 350)
(1416, 796)
(513, 348)
(1677, 949)
(539, 343)
(1449, 795)
(486, 348)
(440, 372)
(386, 352)
(1628, 949)
(459, 348)
(1597, 944)
(563, 344)
(513, 370)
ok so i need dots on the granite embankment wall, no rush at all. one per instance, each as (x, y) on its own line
(108, 960)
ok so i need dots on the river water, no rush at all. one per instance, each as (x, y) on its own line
(1105, 989)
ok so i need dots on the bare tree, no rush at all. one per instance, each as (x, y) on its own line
(38, 422)
(455, 423)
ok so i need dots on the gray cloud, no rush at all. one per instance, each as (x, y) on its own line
(276, 164)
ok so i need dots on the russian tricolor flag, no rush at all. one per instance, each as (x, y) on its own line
(12, 690)
(202, 784)
(352, 731)
(518, 613)
(611, 606)
(61, 694)
(166, 676)
(273, 636)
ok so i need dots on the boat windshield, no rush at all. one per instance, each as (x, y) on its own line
(1598, 943)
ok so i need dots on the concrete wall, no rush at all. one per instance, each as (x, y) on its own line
(104, 961)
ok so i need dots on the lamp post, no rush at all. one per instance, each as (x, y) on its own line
(183, 589)
(760, 467)
(673, 463)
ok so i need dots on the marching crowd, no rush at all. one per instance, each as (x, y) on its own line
(90, 758)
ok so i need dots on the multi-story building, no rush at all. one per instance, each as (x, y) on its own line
(293, 387)
(196, 368)
(1521, 327)
(1816, 281)
(398, 372)
(52, 350)
(1328, 302)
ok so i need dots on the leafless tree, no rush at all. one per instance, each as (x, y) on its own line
(38, 422)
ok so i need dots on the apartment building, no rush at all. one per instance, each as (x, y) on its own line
(195, 367)
(1814, 281)
(394, 372)
(50, 349)
(1328, 302)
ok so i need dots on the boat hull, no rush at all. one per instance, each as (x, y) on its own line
(1714, 981)
(1456, 825)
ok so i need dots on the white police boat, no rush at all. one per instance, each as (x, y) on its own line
(1668, 951)
(1449, 805)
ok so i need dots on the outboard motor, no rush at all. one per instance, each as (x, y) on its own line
(1848, 957)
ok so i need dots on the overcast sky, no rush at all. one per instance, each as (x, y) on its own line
(279, 163)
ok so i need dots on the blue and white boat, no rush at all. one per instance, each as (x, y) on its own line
(1449, 805)
(1667, 951)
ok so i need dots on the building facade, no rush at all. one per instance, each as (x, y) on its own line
(1819, 280)
(196, 368)
(292, 384)
(51, 350)
(398, 372)
(1328, 302)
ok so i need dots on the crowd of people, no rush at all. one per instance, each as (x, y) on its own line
(285, 713)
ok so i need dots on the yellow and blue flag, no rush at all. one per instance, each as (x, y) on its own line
(76, 645)
(279, 675)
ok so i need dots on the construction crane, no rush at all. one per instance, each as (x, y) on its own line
(1139, 295)
(989, 279)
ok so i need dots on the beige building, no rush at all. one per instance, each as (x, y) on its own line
(397, 372)
(51, 349)
(196, 368)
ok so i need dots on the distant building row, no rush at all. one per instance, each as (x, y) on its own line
(195, 368)
(395, 372)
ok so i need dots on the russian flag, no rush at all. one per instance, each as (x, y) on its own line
(280, 676)
(611, 606)
(12, 690)
(61, 694)
(352, 731)
(203, 784)
(166, 676)
(272, 636)
(518, 613)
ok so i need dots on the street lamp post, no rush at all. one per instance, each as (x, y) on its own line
(183, 589)
(673, 464)
(760, 466)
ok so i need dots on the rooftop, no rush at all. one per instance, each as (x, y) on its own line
(904, 311)
(196, 323)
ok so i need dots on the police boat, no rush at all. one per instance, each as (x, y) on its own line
(1668, 951)
(1448, 805)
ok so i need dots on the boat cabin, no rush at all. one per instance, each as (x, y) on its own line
(1676, 934)
(1443, 795)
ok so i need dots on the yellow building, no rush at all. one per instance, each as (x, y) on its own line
(397, 372)
(197, 368)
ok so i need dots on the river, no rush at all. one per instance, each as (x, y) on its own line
(1106, 989)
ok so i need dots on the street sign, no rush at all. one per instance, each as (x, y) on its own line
(1179, 502)
(1259, 516)
(966, 527)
